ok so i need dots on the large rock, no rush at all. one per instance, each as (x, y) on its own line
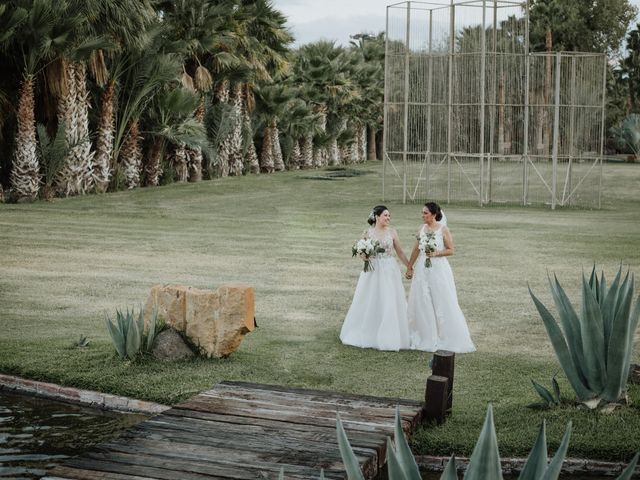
(215, 321)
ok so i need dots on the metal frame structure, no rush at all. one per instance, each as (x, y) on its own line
(472, 115)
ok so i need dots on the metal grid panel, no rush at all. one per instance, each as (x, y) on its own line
(472, 116)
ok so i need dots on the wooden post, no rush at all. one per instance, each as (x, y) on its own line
(435, 399)
(443, 366)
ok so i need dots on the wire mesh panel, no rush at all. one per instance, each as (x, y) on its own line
(471, 115)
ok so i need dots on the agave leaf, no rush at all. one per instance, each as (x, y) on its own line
(140, 321)
(553, 470)
(628, 472)
(543, 392)
(635, 316)
(620, 345)
(592, 277)
(593, 339)
(562, 352)
(281, 474)
(556, 389)
(394, 467)
(536, 463)
(405, 457)
(116, 337)
(349, 459)
(485, 459)
(570, 325)
(603, 289)
(450, 472)
(321, 474)
(133, 336)
(151, 333)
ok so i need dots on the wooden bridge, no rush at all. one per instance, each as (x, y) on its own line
(248, 431)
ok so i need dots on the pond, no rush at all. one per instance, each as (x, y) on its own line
(38, 433)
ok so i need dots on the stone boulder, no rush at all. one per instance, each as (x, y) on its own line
(169, 346)
(215, 321)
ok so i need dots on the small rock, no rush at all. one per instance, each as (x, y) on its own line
(169, 347)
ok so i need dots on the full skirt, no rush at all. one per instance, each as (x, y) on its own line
(436, 321)
(377, 317)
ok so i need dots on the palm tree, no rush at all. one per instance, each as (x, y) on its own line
(44, 28)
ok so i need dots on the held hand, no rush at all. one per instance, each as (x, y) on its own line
(433, 254)
(409, 273)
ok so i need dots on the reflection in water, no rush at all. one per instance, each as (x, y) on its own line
(37, 433)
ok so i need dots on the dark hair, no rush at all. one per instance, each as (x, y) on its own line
(376, 212)
(434, 208)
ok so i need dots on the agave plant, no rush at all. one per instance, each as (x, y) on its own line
(128, 334)
(548, 398)
(594, 348)
(484, 462)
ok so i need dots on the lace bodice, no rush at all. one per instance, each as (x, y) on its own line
(386, 241)
(439, 236)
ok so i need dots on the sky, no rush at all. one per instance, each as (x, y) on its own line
(312, 20)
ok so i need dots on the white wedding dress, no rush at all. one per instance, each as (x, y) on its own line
(377, 317)
(436, 321)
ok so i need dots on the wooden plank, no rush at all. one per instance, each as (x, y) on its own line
(61, 472)
(197, 451)
(272, 400)
(301, 416)
(329, 395)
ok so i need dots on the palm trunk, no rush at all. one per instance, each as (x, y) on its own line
(371, 143)
(153, 170)
(334, 153)
(362, 144)
(320, 153)
(194, 155)
(131, 156)
(104, 140)
(181, 163)
(266, 154)
(252, 155)
(194, 164)
(278, 161)
(345, 153)
(380, 144)
(25, 174)
(223, 147)
(236, 160)
(76, 175)
(296, 156)
(307, 151)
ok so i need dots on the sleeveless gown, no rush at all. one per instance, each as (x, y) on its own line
(377, 317)
(436, 321)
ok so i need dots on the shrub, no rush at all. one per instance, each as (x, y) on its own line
(594, 348)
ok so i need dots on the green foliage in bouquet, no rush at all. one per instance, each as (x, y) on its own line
(594, 348)
(484, 462)
(128, 335)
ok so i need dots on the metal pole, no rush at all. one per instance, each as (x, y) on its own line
(556, 126)
(527, 72)
(483, 71)
(602, 124)
(385, 132)
(452, 26)
(405, 145)
(572, 122)
(494, 96)
(429, 101)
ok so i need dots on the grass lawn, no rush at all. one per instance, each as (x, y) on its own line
(289, 235)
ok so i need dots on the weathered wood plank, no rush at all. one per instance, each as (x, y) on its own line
(302, 415)
(61, 472)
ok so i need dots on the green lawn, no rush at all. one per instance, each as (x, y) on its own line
(67, 262)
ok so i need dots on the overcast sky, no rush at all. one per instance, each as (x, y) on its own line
(312, 20)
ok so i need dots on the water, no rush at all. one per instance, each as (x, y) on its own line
(37, 433)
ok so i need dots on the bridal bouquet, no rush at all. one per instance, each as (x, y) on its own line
(426, 244)
(368, 248)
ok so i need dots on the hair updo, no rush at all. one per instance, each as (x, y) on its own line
(435, 210)
(376, 212)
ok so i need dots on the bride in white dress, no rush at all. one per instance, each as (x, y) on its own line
(436, 321)
(377, 317)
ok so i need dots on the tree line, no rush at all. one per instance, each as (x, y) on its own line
(103, 95)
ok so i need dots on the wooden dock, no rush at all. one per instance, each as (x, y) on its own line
(248, 431)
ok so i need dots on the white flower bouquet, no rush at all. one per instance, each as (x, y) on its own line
(367, 248)
(426, 244)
